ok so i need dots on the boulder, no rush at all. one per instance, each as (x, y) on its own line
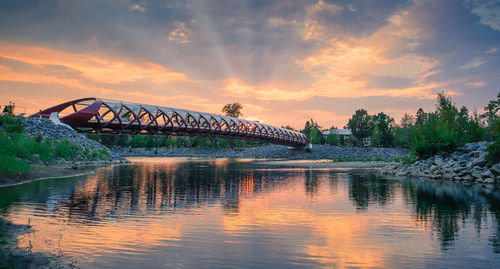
(438, 160)
(489, 180)
(496, 169)
(487, 174)
(479, 161)
(477, 174)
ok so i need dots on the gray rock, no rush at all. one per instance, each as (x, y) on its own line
(487, 174)
(496, 169)
(476, 174)
(480, 161)
(438, 160)
(489, 180)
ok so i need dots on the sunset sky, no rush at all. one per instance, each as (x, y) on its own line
(285, 61)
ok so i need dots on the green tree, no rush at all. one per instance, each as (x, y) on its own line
(420, 116)
(444, 130)
(383, 130)
(403, 131)
(491, 111)
(309, 126)
(332, 139)
(288, 127)
(361, 125)
(233, 110)
(315, 136)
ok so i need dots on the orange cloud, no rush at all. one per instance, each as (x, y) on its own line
(99, 69)
(236, 87)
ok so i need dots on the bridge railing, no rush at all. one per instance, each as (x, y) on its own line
(93, 115)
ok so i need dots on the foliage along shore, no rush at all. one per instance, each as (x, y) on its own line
(469, 165)
(26, 144)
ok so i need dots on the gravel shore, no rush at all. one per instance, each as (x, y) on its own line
(318, 152)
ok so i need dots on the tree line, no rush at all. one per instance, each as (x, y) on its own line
(441, 131)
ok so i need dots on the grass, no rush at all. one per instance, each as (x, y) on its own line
(17, 148)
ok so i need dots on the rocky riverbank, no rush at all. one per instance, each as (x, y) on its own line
(467, 165)
(268, 152)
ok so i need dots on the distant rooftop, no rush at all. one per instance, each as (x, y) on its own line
(338, 131)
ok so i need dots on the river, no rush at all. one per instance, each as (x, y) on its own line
(221, 213)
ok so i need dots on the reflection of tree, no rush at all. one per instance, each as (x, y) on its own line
(367, 189)
(311, 182)
(152, 188)
(445, 206)
(494, 208)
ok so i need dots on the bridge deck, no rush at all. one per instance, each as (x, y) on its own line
(94, 115)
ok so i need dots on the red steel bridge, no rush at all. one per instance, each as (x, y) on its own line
(94, 115)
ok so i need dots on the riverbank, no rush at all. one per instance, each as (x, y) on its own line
(468, 165)
(327, 164)
(49, 171)
(318, 152)
(11, 256)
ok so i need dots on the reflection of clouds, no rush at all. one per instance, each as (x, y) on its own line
(310, 216)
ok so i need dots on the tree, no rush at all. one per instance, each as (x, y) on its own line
(313, 131)
(491, 111)
(309, 126)
(315, 136)
(332, 139)
(233, 110)
(383, 130)
(403, 132)
(445, 130)
(288, 127)
(407, 121)
(420, 116)
(361, 125)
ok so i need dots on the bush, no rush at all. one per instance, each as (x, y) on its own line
(12, 124)
(65, 150)
(315, 136)
(332, 139)
(494, 152)
(12, 166)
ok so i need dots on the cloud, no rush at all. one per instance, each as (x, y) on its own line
(137, 7)
(99, 69)
(475, 84)
(267, 55)
(182, 33)
(353, 68)
(492, 50)
(476, 62)
(489, 12)
(237, 88)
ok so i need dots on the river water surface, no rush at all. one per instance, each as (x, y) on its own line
(219, 213)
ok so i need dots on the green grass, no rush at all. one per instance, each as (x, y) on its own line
(17, 148)
(12, 166)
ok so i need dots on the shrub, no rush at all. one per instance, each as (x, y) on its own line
(65, 150)
(332, 139)
(315, 136)
(12, 166)
(494, 152)
(12, 124)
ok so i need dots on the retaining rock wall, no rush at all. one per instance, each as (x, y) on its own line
(468, 165)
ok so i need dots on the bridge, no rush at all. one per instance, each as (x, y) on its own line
(95, 115)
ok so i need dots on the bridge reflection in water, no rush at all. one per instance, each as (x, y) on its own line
(94, 115)
(234, 211)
